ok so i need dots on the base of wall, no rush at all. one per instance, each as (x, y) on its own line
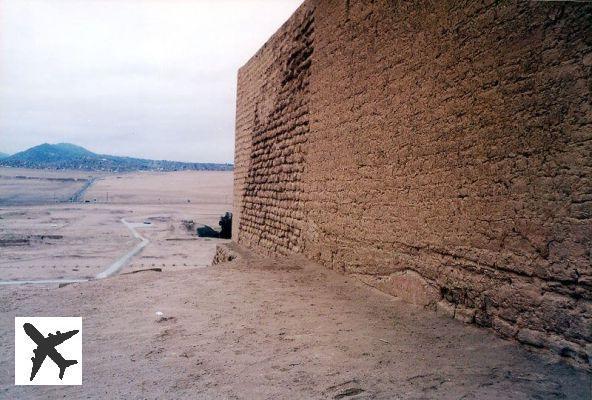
(407, 285)
(412, 288)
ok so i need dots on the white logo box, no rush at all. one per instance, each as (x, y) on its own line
(69, 350)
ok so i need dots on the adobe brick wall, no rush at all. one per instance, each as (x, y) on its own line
(271, 130)
(440, 151)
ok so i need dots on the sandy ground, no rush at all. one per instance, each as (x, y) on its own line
(258, 328)
(73, 241)
(252, 328)
(82, 240)
(212, 187)
(20, 186)
(63, 241)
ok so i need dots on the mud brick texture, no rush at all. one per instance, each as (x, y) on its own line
(439, 151)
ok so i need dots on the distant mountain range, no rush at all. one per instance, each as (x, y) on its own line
(3, 155)
(69, 156)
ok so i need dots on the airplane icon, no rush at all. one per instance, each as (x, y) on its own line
(46, 347)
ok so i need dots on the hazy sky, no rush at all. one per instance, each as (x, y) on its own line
(144, 78)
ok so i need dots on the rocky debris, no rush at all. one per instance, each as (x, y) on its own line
(223, 254)
(188, 224)
(25, 240)
(5, 242)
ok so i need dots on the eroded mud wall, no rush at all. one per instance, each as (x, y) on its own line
(440, 151)
(272, 127)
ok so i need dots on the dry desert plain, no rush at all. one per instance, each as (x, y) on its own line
(49, 240)
(252, 328)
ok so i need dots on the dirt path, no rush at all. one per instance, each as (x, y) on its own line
(79, 195)
(112, 269)
(265, 329)
(125, 259)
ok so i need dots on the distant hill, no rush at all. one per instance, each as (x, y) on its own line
(3, 155)
(69, 156)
